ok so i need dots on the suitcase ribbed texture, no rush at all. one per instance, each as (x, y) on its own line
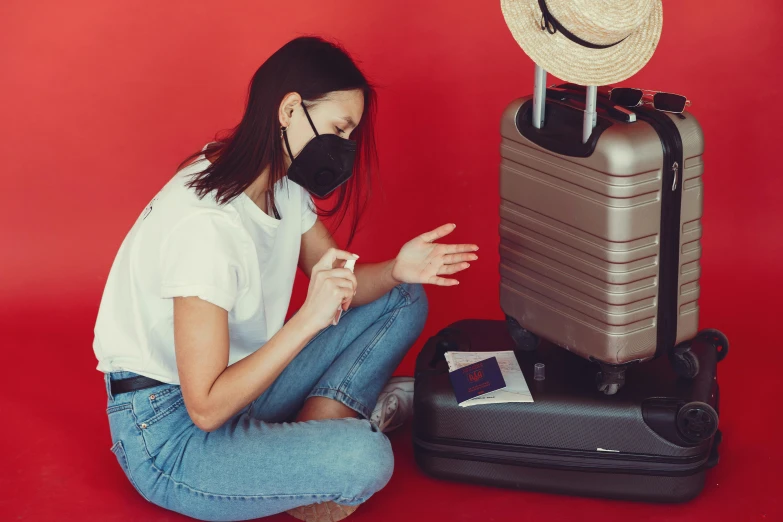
(580, 238)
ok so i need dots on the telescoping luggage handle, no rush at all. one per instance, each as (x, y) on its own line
(539, 99)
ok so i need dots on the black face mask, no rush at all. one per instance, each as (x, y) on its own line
(325, 162)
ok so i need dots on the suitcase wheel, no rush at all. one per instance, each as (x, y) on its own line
(608, 389)
(697, 421)
(524, 340)
(684, 361)
(718, 339)
(611, 378)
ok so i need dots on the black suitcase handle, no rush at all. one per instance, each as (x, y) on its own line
(562, 131)
(564, 110)
(714, 458)
(574, 97)
(431, 358)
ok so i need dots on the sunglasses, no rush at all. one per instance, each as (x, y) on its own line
(662, 101)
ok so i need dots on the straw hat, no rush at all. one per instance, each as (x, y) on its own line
(589, 42)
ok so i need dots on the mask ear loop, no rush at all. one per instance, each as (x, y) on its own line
(311, 121)
(285, 134)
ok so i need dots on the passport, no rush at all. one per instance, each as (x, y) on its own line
(477, 379)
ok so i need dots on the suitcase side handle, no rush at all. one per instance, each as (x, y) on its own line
(562, 133)
(431, 358)
(571, 98)
(714, 458)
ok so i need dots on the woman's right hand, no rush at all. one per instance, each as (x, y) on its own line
(330, 288)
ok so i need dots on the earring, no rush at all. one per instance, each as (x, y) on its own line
(282, 130)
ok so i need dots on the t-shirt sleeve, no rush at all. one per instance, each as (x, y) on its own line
(202, 257)
(309, 215)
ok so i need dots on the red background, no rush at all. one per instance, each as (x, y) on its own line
(101, 100)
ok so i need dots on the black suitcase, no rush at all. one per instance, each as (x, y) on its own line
(652, 441)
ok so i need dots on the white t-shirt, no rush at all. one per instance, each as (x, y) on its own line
(233, 255)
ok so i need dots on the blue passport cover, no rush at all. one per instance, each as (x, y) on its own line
(477, 379)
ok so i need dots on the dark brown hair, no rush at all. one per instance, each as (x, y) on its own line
(312, 67)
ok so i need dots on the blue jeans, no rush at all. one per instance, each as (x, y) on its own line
(259, 462)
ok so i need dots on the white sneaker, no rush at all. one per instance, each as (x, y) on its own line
(395, 404)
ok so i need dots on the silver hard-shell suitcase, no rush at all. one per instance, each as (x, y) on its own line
(600, 229)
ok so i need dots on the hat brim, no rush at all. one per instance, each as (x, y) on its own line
(575, 63)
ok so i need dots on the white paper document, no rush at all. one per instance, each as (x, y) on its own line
(516, 389)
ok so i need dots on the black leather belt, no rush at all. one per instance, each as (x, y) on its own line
(132, 384)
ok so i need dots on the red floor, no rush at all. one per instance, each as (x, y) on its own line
(103, 105)
(57, 464)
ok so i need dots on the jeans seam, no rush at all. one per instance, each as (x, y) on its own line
(139, 434)
(118, 407)
(311, 341)
(151, 462)
(158, 401)
(164, 413)
(171, 479)
(121, 447)
(352, 403)
(324, 330)
(405, 294)
(367, 349)
(362, 356)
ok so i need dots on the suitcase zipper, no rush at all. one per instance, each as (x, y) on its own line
(543, 458)
(674, 168)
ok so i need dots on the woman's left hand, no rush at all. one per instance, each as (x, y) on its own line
(422, 261)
